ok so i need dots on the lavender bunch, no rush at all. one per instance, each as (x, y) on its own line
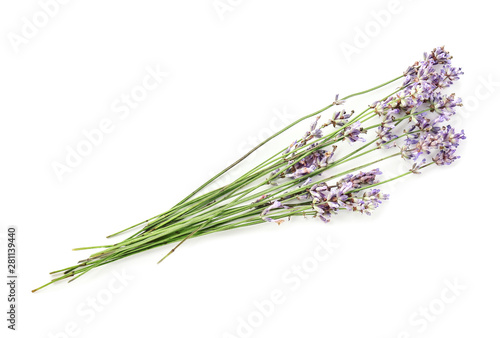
(304, 179)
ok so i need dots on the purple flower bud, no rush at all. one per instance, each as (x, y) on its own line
(314, 124)
(352, 132)
(275, 205)
(416, 166)
(340, 118)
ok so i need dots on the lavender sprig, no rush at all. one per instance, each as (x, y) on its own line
(415, 118)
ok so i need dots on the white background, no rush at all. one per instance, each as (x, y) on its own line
(233, 77)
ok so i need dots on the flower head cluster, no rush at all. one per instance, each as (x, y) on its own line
(329, 200)
(422, 82)
(445, 140)
(361, 179)
(366, 203)
(317, 159)
(426, 71)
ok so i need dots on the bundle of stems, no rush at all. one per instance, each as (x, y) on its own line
(303, 179)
